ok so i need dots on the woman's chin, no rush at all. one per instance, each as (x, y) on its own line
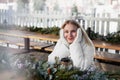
(70, 42)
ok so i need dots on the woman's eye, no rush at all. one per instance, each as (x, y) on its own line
(65, 31)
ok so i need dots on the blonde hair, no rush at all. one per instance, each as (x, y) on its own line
(85, 36)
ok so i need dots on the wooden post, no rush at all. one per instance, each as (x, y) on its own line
(27, 43)
(117, 51)
(96, 48)
(101, 49)
(106, 50)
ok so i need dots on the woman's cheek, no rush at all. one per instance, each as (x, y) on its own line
(65, 36)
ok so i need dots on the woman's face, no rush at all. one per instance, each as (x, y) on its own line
(70, 32)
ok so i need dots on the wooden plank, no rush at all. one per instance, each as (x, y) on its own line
(101, 44)
(15, 35)
(35, 45)
(98, 44)
(96, 57)
(4, 41)
(41, 46)
(50, 48)
(107, 59)
(43, 38)
(108, 46)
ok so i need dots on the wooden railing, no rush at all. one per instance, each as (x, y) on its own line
(48, 44)
(28, 41)
(97, 44)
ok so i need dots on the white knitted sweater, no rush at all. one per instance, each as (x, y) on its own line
(79, 51)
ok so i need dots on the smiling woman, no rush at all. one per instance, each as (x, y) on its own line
(70, 32)
(74, 43)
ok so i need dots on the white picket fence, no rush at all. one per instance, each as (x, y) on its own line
(102, 24)
(39, 19)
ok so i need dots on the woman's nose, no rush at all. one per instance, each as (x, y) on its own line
(70, 34)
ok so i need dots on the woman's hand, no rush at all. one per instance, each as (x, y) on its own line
(78, 37)
(76, 54)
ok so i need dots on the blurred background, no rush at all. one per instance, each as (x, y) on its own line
(46, 16)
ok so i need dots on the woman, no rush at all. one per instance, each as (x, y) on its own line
(74, 43)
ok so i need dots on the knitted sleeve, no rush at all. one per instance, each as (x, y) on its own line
(81, 53)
